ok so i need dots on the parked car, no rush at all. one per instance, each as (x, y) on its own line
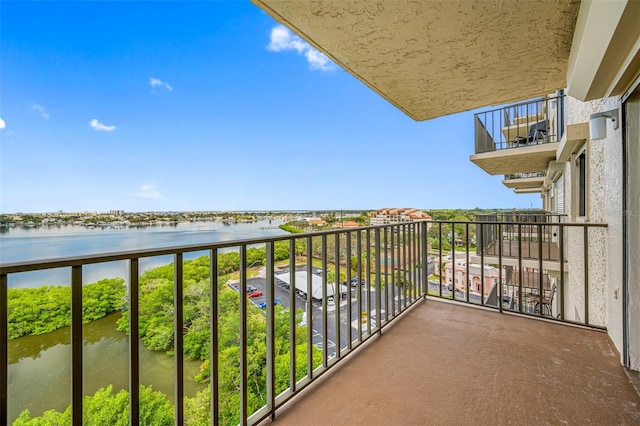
(251, 289)
(354, 282)
(255, 293)
(263, 305)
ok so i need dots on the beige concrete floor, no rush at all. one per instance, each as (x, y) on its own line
(445, 364)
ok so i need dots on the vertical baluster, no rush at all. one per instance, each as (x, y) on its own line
(359, 274)
(540, 275)
(292, 314)
(500, 270)
(425, 259)
(76, 345)
(337, 295)
(378, 280)
(349, 292)
(271, 331)
(561, 287)
(178, 339)
(213, 337)
(309, 310)
(586, 273)
(499, 241)
(467, 264)
(134, 344)
(454, 270)
(520, 271)
(243, 335)
(4, 352)
(325, 342)
(440, 265)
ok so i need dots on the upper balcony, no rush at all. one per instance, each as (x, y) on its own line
(525, 183)
(520, 138)
(297, 324)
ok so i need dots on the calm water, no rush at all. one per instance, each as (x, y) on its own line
(39, 366)
(19, 244)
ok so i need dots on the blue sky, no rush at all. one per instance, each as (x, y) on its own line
(156, 106)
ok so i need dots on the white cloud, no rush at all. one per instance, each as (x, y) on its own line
(101, 127)
(2, 124)
(282, 40)
(40, 110)
(148, 191)
(156, 82)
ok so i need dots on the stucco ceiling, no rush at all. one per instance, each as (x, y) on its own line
(434, 58)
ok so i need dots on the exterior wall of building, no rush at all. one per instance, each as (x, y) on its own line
(490, 277)
(604, 205)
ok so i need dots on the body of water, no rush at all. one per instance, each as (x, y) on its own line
(24, 244)
(40, 366)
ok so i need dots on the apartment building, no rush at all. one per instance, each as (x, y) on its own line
(390, 216)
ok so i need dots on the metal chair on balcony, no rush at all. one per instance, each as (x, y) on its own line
(537, 133)
(545, 302)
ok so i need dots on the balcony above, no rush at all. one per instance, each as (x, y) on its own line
(525, 181)
(447, 364)
(520, 138)
(404, 50)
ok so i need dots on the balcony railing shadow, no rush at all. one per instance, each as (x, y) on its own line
(332, 290)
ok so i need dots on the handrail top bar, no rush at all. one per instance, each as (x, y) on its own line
(63, 262)
(530, 101)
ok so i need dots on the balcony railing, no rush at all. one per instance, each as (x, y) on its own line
(523, 235)
(384, 269)
(524, 124)
(525, 175)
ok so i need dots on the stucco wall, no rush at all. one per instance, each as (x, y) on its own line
(604, 205)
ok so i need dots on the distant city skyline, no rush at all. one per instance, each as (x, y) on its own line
(202, 106)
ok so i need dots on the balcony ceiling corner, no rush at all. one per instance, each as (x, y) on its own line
(431, 59)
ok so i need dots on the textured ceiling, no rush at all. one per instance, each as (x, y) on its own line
(433, 58)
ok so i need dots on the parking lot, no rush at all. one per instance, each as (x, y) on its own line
(256, 293)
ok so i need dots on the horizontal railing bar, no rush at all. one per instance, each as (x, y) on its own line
(529, 102)
(63, 262)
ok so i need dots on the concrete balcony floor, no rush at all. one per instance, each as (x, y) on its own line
(445, 364)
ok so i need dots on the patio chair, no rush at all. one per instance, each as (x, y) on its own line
(546, 303)
(537, 132)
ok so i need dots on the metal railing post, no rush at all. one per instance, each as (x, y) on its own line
(561, 286)
(325, 343)
(309, 307)
(441, 267)
(270, 331)
(178, 339)
(243, 335)
(4, 342)
(540, 276)
(337, 294)
(586, 274)
(134, 345)
(520, 271)
(76, 345)
(349, 292)
(292, 315)
(378, 280)
(425, 259)
(213, 336)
